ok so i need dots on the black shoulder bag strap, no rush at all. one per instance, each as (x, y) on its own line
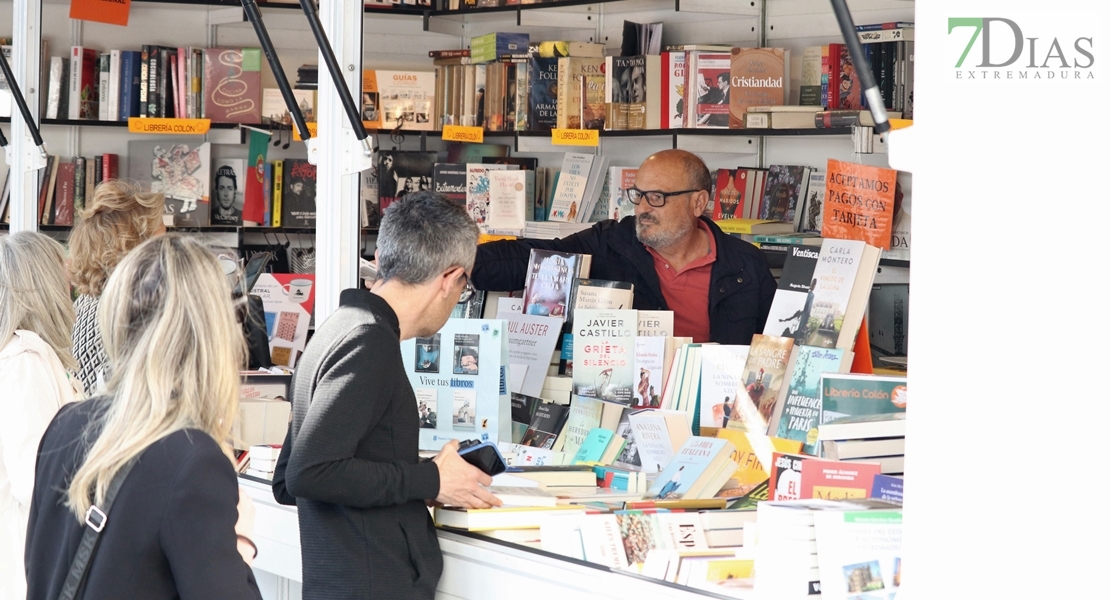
(95, 520)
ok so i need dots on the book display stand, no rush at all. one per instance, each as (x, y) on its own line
(351, 35)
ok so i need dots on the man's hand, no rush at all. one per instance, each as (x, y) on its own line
(460, 483)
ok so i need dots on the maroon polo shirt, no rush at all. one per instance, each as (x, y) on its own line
(687, 290)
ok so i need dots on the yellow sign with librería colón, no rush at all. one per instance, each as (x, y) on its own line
(574, 137)
(168, 126)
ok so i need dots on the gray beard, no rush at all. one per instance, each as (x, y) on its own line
(660, 239)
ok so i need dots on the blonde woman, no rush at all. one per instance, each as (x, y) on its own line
(174, 530)
(35, 319)
(118, 218)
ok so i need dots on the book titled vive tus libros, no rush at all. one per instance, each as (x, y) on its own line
(460, 377)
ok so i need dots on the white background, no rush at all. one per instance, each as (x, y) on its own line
(1006, 436)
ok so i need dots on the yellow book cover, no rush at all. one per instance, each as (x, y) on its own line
(371, 101)
(753, 226)
(753, 454)
(275, 212)
(581, 102)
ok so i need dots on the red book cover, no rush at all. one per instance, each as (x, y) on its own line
(851, 96)
(710, 85)
(834, 74)
(729, 193)
(63, 201)
(109, 168)
(88, 81)
(786, 476)
(233, 85)
(837, 480)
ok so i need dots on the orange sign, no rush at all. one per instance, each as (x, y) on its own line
(574, 137)
(859, 203)
(459, 133)
(112, 12)
(168, 126)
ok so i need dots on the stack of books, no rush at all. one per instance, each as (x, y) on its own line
(871, 438)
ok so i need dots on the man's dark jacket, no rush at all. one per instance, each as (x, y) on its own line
(351, 462)
(741, 284)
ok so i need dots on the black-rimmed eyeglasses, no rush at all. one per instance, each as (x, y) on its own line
(467, 291)
(656, 198)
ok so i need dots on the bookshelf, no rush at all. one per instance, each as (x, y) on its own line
(399, 39)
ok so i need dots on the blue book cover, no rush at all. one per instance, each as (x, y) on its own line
(888, 488)
(460, 378)
(593, 447)
(130, 72)
(687, 466)
(801, 410)
(543, 78)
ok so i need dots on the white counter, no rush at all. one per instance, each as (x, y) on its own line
(474, 568)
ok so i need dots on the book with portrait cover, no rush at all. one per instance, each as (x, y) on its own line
(708, 88)
(460, 375)
(401, 172)
(298, 193)
(604, 354)
(760, 77)
(550, 275)
(228, 179)
(180, 171)
(233, 85)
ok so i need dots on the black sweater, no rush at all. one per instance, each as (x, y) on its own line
(170, 533)
(741, 284)
(351, 462)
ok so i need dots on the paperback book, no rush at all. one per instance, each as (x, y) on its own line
(550, 274)
(762, 379)
(604, 354)
(180, 171)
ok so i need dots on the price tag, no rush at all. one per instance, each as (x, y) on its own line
(574, 137)
(459, 133)
(297, 132)
(168, 126)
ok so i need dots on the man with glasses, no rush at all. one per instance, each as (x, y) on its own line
(350, 460)
(718, 286)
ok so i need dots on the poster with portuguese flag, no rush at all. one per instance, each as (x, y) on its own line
(859, 203)
(254, 201)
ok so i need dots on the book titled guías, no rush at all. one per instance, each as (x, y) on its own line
(605, 354)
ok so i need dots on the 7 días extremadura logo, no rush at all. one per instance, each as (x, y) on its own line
(1006, 52)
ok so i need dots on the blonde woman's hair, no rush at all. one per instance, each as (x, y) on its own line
(176, 348)
(119, 217)
(34, 294)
